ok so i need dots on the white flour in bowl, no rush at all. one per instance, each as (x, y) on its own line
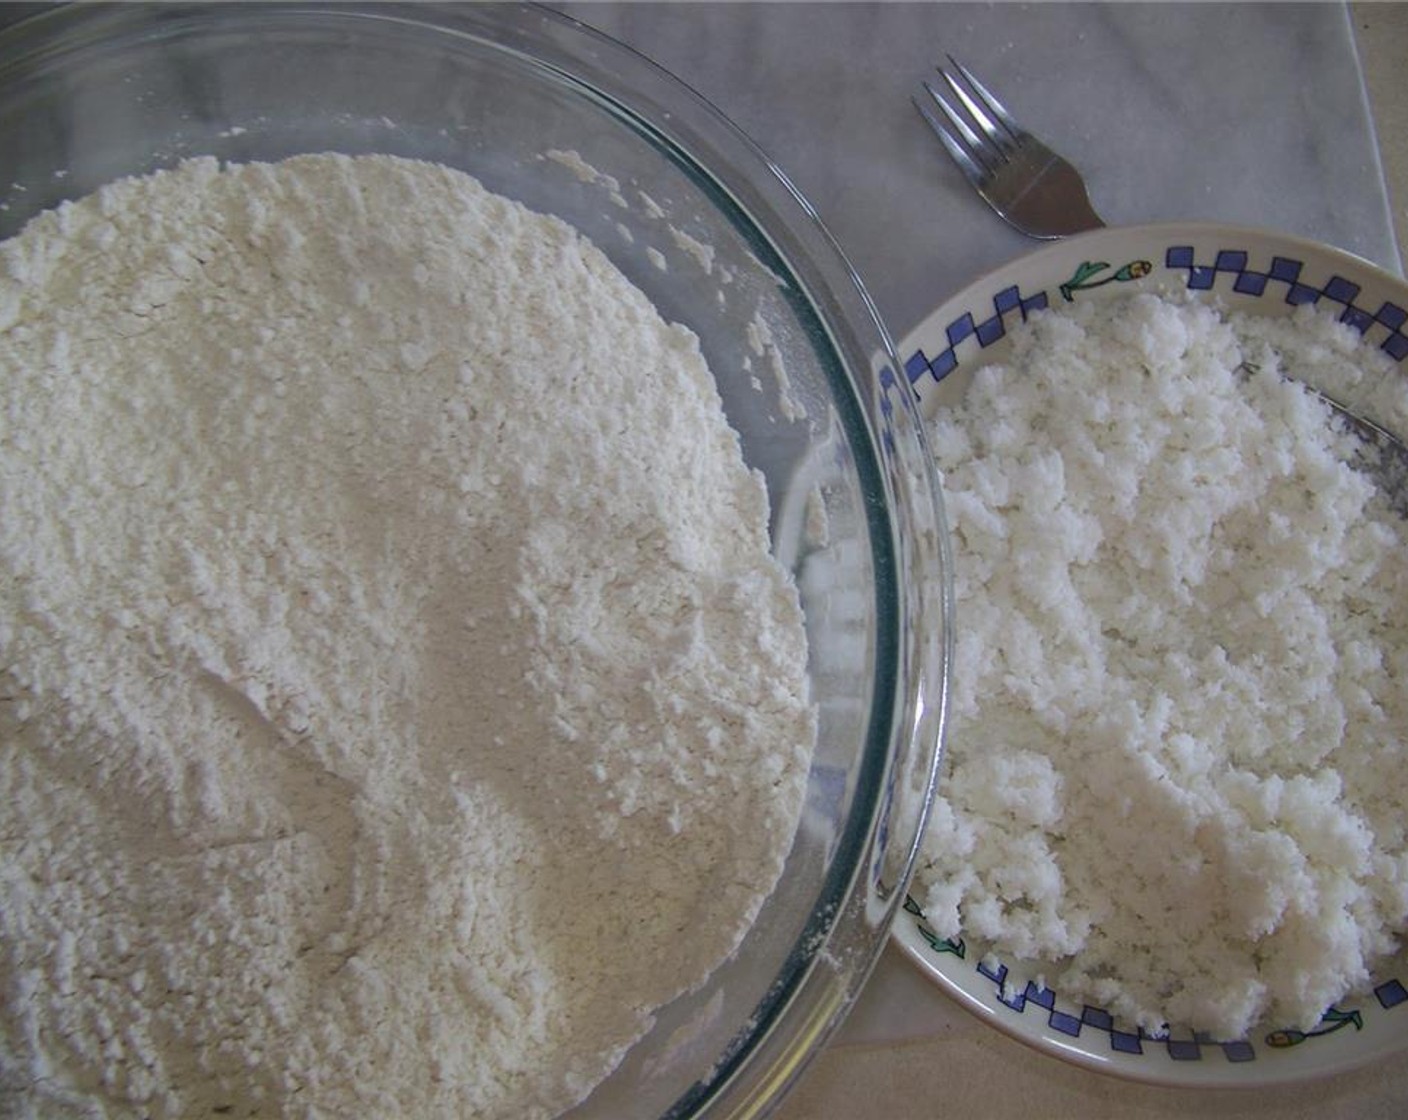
(1174, 771)
(400, 698)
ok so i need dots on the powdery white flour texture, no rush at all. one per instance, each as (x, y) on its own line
(400, 698)
(1179, 715)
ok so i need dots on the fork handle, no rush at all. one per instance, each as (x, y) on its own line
(1058, 204)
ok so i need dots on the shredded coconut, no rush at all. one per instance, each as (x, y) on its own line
(701, 252)
(763, 343)
(586, 173)
(400, 699)
(1179, 707)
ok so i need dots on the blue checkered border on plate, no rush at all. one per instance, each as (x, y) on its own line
(1287, 271)
(1010, 303)
(1389, 994)
(1188, 1049)
(1005, 303)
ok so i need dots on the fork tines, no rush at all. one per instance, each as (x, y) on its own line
(1031, 187)
(977, 155)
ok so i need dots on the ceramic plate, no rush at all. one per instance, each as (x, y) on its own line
(1245, 269)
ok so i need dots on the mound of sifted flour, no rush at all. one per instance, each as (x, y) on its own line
(400, 700)
(1179, 714)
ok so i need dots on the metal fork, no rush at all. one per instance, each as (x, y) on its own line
(1028, 184)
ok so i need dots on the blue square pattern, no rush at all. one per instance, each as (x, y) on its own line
(1250, 283)
(1391, 994)
(1239, 1051)
(1286, 270)
(1179, 256)
(1187, 1049)
(1008, 303)
(1201, 277)
(959, 329)
(916, 366)
(1357, 318)
(1392, 316)
(1006, 300)
(1194, 1048)
(1341, 290)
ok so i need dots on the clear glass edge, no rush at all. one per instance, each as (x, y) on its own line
(842, 959)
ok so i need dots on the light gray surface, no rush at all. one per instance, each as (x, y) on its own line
(1245, 113)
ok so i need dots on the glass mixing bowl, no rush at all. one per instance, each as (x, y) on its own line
(544, 110)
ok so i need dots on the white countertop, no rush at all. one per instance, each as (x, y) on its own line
(1247, 114)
